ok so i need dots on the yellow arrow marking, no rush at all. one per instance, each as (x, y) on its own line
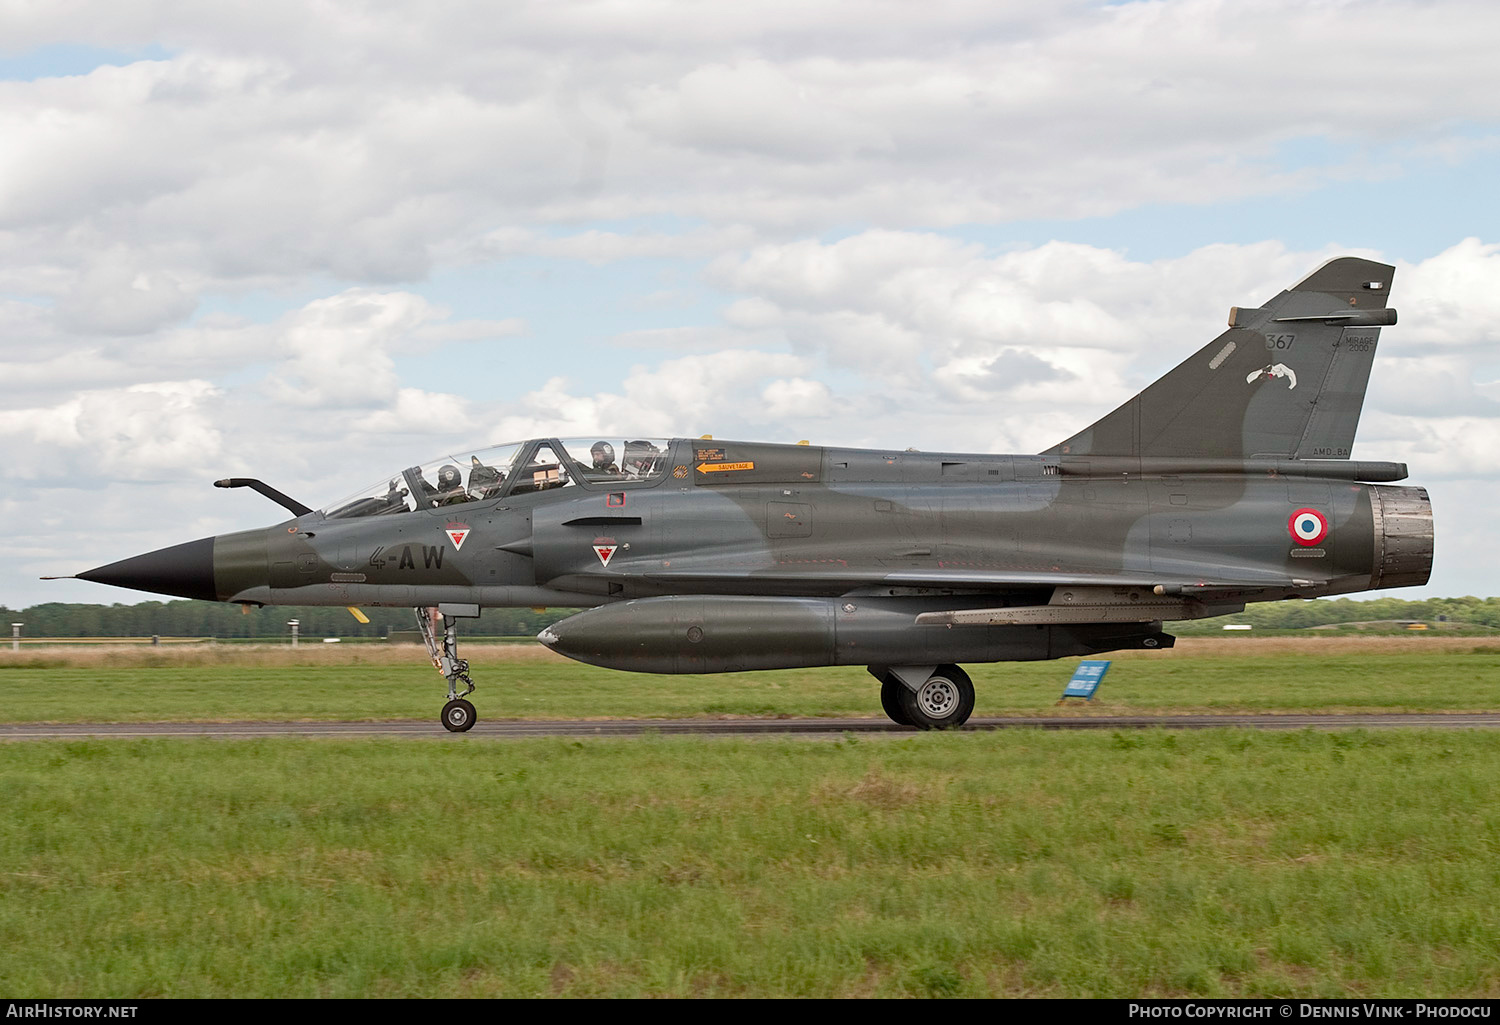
(721, 467)
(357, 614)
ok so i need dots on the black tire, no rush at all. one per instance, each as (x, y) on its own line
(944, 701)
(458, 716)
(891, 690)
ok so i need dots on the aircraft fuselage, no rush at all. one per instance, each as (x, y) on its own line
(836, 521)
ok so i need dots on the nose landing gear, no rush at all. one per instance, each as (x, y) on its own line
(458, 715)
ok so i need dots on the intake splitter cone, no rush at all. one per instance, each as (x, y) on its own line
(183, 571)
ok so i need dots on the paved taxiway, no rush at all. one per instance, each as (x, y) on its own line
(510, 730)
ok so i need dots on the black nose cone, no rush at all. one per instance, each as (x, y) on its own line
(184, 571)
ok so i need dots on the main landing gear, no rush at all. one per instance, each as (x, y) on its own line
(942, 700)
(458, 715)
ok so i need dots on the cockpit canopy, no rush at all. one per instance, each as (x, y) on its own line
(513, 469)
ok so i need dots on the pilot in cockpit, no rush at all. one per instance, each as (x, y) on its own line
(603, 456)
(450, 486)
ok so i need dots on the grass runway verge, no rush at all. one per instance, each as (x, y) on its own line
(1212, 863)
(528, 682)
(1217, 863)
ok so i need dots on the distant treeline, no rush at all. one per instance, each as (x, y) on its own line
(215, 619)
(1294, 615)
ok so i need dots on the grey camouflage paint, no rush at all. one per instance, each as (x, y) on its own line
(1176, 505)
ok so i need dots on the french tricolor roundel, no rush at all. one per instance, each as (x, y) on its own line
(1308, 527)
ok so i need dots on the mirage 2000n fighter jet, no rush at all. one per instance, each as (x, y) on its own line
(1225, 482)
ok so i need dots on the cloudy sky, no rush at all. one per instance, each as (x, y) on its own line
(314, 242)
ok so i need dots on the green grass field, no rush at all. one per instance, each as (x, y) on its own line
(1212, 863)
(1217, 863)
(528, 682)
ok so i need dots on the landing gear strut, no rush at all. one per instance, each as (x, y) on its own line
(458, 715)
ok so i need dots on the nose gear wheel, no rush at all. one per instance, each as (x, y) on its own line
(458, 716)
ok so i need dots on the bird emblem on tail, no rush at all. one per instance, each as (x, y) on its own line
(1272, 371)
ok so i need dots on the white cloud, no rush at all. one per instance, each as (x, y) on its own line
(143, 432)
(116, 300)
(367, 143)
(418, 412)
(686, 396)
(808, 159)
(759, 108)
(598, 247)
(703, 338)
(1452, 299)
(1460, 447)
(1428, 386)
(947, 296)
(953, 333)
(797, 398)
(336, 352)
(939, 321)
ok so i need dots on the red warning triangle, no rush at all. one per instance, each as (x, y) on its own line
(605, 553)
(457, 537)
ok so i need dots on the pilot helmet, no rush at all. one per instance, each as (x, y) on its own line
(603, 453)
(449, 478)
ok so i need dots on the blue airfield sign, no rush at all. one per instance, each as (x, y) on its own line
(1086, 679)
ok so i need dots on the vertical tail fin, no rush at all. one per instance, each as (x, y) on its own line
(1287, 380)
